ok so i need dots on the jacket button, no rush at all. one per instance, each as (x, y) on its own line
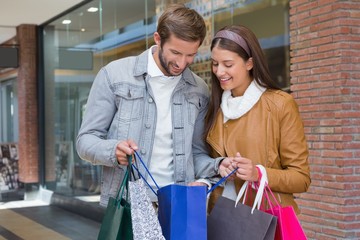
(151, 100)
(147, 125)
(143, 151)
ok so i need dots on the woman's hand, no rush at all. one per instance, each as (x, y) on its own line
(226, 167)
(246, 169)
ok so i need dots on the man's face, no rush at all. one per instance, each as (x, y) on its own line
(175, 55)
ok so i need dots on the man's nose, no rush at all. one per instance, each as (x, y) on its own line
(183, 62)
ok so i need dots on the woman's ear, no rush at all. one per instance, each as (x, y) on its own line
(249, 64)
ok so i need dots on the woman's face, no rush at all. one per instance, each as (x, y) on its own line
(231, 70)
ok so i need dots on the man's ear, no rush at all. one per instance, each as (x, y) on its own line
(157, 38)
(249, 64)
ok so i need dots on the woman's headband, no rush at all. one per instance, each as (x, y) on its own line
(235, 38)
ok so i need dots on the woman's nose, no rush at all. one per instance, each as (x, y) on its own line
(219, 70)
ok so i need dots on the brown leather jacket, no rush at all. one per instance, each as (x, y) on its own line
(270, 134)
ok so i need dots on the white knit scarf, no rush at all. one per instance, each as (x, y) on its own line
(235, 107)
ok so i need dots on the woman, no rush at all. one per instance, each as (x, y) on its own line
(253, 121)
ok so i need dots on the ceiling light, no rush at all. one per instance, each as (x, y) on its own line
(83, 29)
(93, 9)
(66, 21)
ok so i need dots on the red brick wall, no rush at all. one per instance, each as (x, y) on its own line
(325, 77)
(28, 105)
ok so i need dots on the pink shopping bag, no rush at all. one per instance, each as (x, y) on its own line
(288, 226)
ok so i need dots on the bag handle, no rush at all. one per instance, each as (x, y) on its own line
(125, 181)
(271, 205)
(260, 189)
(147, 170)
(221, 181)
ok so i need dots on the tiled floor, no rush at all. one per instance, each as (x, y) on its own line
(37, 221)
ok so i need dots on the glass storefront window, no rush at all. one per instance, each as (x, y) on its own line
(96, 33)
(9, 135)
(269, 21)
(8, 111)
(104, 30)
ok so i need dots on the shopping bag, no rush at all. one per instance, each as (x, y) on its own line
(231, 219)
(116, 224)
(182, 212)
(227, 221)
(117, 221)
(145, 222)
(288, 226)
(181, 209)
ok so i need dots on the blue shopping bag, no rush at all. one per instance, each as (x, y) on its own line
(182, 212)
(182, 209)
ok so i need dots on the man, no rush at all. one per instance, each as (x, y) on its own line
(152, 103)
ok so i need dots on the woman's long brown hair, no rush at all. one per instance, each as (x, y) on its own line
(260, 71)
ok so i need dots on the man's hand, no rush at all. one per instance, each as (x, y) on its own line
(123, 149)
(197, 184)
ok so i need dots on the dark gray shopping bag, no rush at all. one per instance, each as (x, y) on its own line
(229, 222)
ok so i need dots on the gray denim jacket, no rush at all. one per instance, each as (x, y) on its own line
(121, 106)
